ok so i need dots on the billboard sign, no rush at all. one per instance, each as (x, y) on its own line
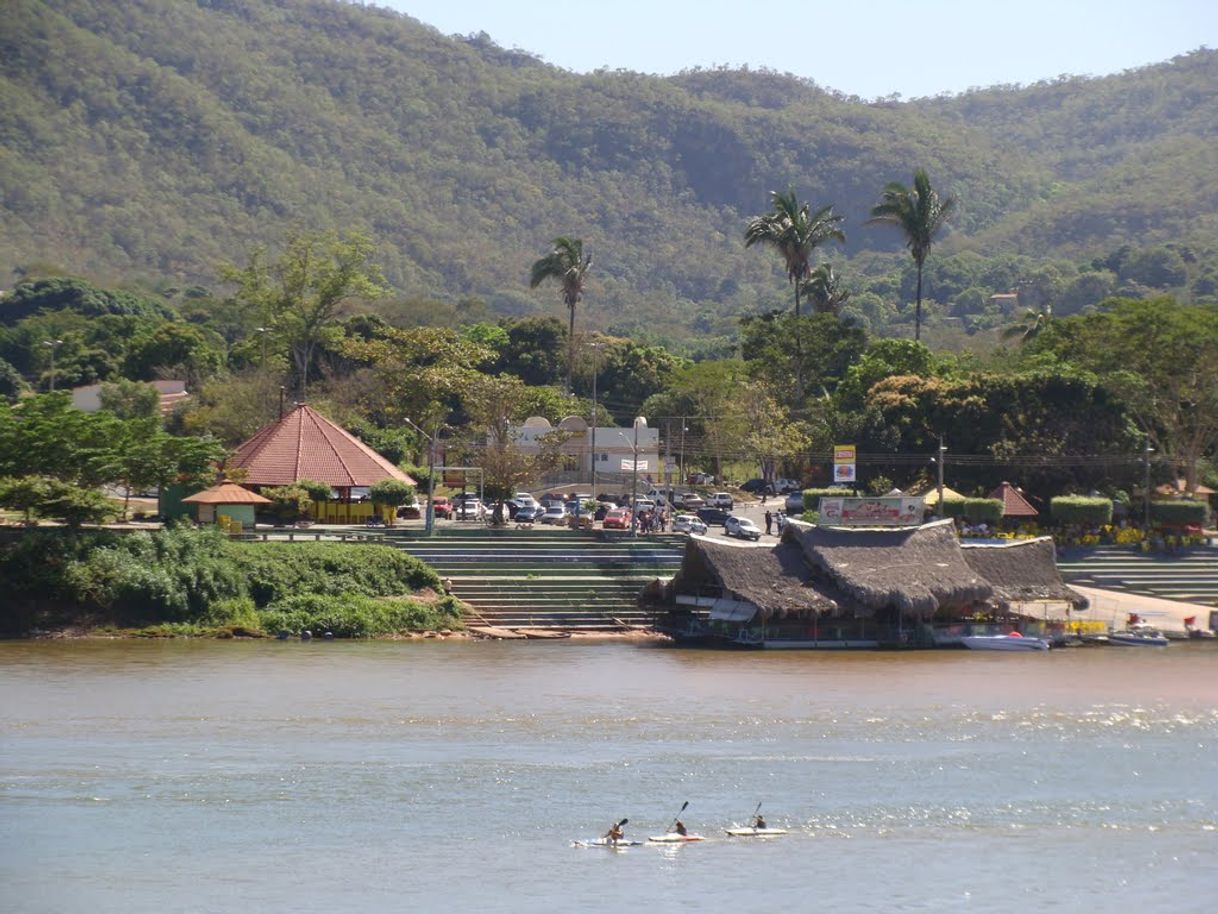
(629, 466)
(844, 459)
(903, 511)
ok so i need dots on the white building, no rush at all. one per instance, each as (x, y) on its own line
(610, 450)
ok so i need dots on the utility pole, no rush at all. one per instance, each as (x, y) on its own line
(681, 465)
(940, 461)
(596, 347)
(634, 481)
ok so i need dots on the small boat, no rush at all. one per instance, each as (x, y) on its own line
(755, 832)
(1011, 642)
(1138, 634)
(674, 838)
(611, 843)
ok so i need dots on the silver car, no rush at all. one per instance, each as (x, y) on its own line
(688, 523)
(741, 527)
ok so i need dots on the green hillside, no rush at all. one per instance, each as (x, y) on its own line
(151, 140)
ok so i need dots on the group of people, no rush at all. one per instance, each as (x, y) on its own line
(773, 518)
(653, 521)
(617, 833)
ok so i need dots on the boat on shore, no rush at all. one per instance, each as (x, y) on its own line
(1009, 642)
(1138, 634)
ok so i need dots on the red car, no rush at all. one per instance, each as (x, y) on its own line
(617, 519)
(442, 506)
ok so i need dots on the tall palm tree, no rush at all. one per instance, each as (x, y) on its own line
(1034, 320)
(792, 229)
(567, 264)
(823, 289)
(795, 232)
(920, 213)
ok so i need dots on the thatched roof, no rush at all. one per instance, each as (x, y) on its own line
(226, 493)
(1022, 571)
(306, 445)
(916, 570)
(775, 579)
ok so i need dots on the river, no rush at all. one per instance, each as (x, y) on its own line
(452, 776)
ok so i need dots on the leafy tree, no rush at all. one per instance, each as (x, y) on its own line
(64, 293)
(177, 349)
(130, 399)
(824, 290)
(533, 349)
(567, 265)
(831, 346)
(24, 493)
(920, 214)
(302, 294)
(1034, 321)
(75, 505)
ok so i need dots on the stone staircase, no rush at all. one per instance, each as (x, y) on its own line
(550, 579)
(1190, 575)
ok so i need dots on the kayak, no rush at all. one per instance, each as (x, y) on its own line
(674, 838)
(756, 832)
(606, 842)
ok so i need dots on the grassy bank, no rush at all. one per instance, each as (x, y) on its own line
(185, 581)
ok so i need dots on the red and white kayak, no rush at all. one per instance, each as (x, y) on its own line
(674, 838)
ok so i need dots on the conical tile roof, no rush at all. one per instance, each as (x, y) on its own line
(306, 445)
(1013, 502)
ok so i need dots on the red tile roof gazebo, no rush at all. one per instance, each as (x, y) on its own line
(306, 445)
(1014, 504)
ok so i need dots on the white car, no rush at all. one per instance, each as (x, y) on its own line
(524, 500)
(470, 509)
(722, 500)
(644, 504)
(741, 527)
(688, 523)
(794, 503)
(555, 514)
(691, 500)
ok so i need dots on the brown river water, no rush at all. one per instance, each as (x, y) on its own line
(454, 776)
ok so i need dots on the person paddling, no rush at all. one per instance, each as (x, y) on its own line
(615, 832)
(679, 828)
(759, 821)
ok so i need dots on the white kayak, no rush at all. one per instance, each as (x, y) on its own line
(756, 832)
(674, 838)
(606, 842)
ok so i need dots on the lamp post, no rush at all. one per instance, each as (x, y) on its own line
(53, 344)
(941, 460)
(262, 332)
(596, 367)
(1147, 450)
(429, 527)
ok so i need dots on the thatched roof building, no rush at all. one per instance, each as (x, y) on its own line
(916, 570)
(745, 580)
(1022, 571)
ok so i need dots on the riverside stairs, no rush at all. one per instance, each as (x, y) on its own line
(1190, 575)
(559, 579)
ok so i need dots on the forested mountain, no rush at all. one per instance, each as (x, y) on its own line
(152, 140)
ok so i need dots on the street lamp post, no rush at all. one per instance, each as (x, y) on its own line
(53, 344)
(429, 524)
(634, 480)
(942, 459)
(1147, 450)
(596, 366)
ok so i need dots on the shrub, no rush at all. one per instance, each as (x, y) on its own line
(983, 510)
(1179, 512)
(274, 571)
(317, 491)
(391, 492)
(288, 503)
(812, 497)
(355, 615)
(1081, 509)
(952, 507)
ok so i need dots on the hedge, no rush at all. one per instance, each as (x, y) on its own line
(1179, 511)
(983, 510)
(1080, 509)
(812, 497)
(354, 615)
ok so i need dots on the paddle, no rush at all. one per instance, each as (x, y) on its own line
(753, 821)
(677, 817)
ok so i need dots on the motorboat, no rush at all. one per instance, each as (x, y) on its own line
(1138, 634)
(1012, 641)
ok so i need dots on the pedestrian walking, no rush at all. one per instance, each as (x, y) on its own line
(769, 523)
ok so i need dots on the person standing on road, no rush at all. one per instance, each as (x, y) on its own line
(769, 523)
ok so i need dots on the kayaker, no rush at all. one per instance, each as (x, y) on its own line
(758, 821)
(615, 832)
(679, 828)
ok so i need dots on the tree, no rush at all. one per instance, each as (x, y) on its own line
(568, 265)
(794, 232)
(920, 214)
(823, 289)
(130, 399)
(1034, 321)
(302, 294)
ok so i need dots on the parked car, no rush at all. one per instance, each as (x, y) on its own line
(783, 486)
(644, 504)
(470, 509)
(692, 501)
(617, 519)
(754, 486)
(688, 523)
(441, 506)
(555, 514)
(524, 499)
(713, 516)
(529, 515)
(741, 527)
(722, 500)
(794, 503)
(699, 479)
(412, 511)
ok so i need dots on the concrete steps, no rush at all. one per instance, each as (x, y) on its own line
(559, 579)
(1191, 576)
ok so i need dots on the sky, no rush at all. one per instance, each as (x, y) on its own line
(868, 48)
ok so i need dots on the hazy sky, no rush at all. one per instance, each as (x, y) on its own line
(868, 48)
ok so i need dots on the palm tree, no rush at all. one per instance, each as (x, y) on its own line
(823, 288)
(792, 229)
(920, 213)
(567, 264)
(1034, 321)
(795, 232)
